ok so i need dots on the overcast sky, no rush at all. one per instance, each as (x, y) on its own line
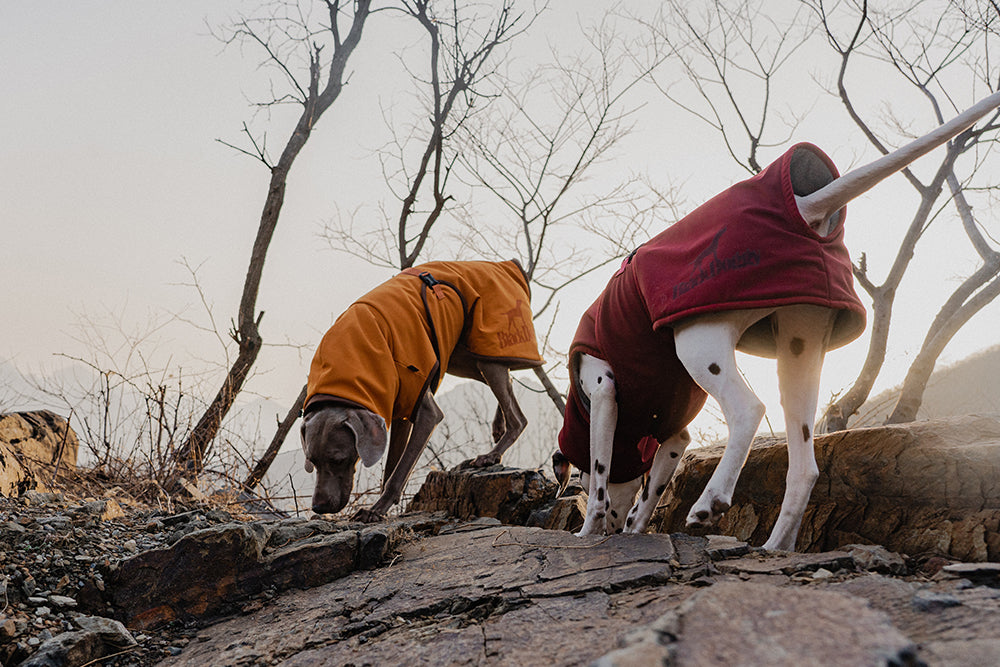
(112, 178)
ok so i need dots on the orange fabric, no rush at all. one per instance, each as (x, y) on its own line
(378, 354)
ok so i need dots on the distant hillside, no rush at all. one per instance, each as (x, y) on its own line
(970, 386)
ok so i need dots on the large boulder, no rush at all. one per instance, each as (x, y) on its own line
(29, 442)
(922, 488)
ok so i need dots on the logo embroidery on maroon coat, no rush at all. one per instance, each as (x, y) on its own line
(708, 265)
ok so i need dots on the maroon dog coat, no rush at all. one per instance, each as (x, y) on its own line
(747, 247)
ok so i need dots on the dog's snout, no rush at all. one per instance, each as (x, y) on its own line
(327, 506)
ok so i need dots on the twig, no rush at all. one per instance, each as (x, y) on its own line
(295, 495)
(62, 447)
(370, 581)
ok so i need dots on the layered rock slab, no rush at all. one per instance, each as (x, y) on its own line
(920, 489)
(491, 594)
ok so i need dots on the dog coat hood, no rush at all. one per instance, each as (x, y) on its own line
(379, 353)
(747, 247)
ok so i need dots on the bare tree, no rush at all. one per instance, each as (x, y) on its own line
(544, 135)
(285, 32)
(463, 49)
(724, 61)
(923, 48)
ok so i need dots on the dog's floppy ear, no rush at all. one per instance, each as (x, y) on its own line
(370, 435)
(302, 435)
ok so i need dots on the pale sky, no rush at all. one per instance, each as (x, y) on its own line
(112, 177)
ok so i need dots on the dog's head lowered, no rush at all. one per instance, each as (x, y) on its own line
(334, 437)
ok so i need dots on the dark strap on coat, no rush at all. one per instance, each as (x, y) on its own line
(431, 282)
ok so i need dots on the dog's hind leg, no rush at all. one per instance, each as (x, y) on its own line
(509, 422)
(598, 383)
(706, 346)
(801, 334)
(668, 455)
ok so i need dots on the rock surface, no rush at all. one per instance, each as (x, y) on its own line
(921, 488)
(211, 571)
(481, 594)
(29, 440)
(508, 494)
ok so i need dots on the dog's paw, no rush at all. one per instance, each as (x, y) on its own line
(367, 516)
(633, 522)
(481, 461)
(707, 511)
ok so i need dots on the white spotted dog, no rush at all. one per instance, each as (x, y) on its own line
(761, 268)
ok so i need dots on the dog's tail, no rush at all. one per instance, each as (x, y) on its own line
(822, 204)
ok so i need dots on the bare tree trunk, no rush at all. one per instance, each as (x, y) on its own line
(840, 411)
(911, 395)
(191, 454)
(550, 389)
(960, 307)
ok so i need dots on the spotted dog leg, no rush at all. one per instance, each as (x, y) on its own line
(668, 455)
(801, 333)
(706, 346)
(598, 383)
(622, 496)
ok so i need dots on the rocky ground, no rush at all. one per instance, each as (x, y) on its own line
(54, 555)
(450, 591)
(483, 569)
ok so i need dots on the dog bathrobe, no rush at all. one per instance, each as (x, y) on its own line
(394, 343)
(747, 247)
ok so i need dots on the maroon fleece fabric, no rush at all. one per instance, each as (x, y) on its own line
(747, 247)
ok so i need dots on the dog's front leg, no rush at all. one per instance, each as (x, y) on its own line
(399, 435)
(801, 334)
(428, 416)
(509, 422)
(668, 455)
(707, 348)
(598, 383)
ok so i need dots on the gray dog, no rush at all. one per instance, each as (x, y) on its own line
(372, 380)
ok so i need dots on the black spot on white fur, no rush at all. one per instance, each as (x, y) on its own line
(600, 494)
(673, 455)
(797, 346)
(599, 380)
(714, 369)
(805, 431)
(599, 467)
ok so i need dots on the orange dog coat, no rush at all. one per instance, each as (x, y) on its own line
(380, 355)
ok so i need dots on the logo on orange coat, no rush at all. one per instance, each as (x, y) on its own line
(518, 327)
